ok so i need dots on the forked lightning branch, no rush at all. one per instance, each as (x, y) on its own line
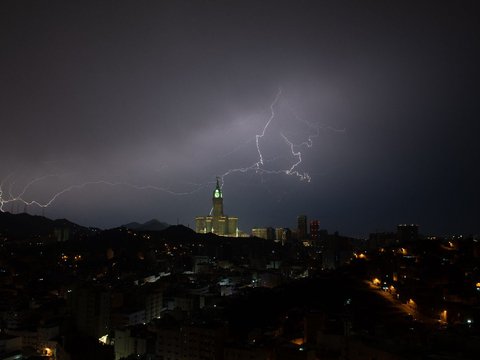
(9, 198)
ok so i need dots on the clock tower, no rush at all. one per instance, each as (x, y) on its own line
(217, 222)
(217, 200)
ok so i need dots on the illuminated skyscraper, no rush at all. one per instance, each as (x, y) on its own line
(217, 222)
(267, 233)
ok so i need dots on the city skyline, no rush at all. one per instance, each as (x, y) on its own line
(362, 116)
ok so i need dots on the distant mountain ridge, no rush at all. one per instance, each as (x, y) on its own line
(26, 227)
(152, 225)
(30, 226)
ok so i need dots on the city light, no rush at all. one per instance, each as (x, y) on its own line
(103, 339)
(443, 316)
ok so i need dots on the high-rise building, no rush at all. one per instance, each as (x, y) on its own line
(153, 304)
(190, 341)
(407, 232)
(133, 341)
(314, 229)
(302, 227)
(91, 310)
(282, 235)
(267, 233)
(217, 222)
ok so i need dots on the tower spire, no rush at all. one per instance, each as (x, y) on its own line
(217, 200)
(217, 222)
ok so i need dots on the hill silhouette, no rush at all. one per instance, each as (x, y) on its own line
(152, 225)
(24, 226)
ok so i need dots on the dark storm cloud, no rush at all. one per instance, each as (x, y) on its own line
(173, 93)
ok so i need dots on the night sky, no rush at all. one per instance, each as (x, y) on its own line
(171, 94)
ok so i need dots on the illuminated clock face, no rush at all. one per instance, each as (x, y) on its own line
(217, 194)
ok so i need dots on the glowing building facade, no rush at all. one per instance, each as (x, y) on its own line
(217, 222)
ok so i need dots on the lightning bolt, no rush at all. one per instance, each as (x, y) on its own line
(53, 198)
(313, 126)
(308, 143)
(259, 166)
(259, 136)
(298, 155)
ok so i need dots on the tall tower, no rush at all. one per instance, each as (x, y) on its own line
(302, 227)
(217, 200)
(217, 222)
